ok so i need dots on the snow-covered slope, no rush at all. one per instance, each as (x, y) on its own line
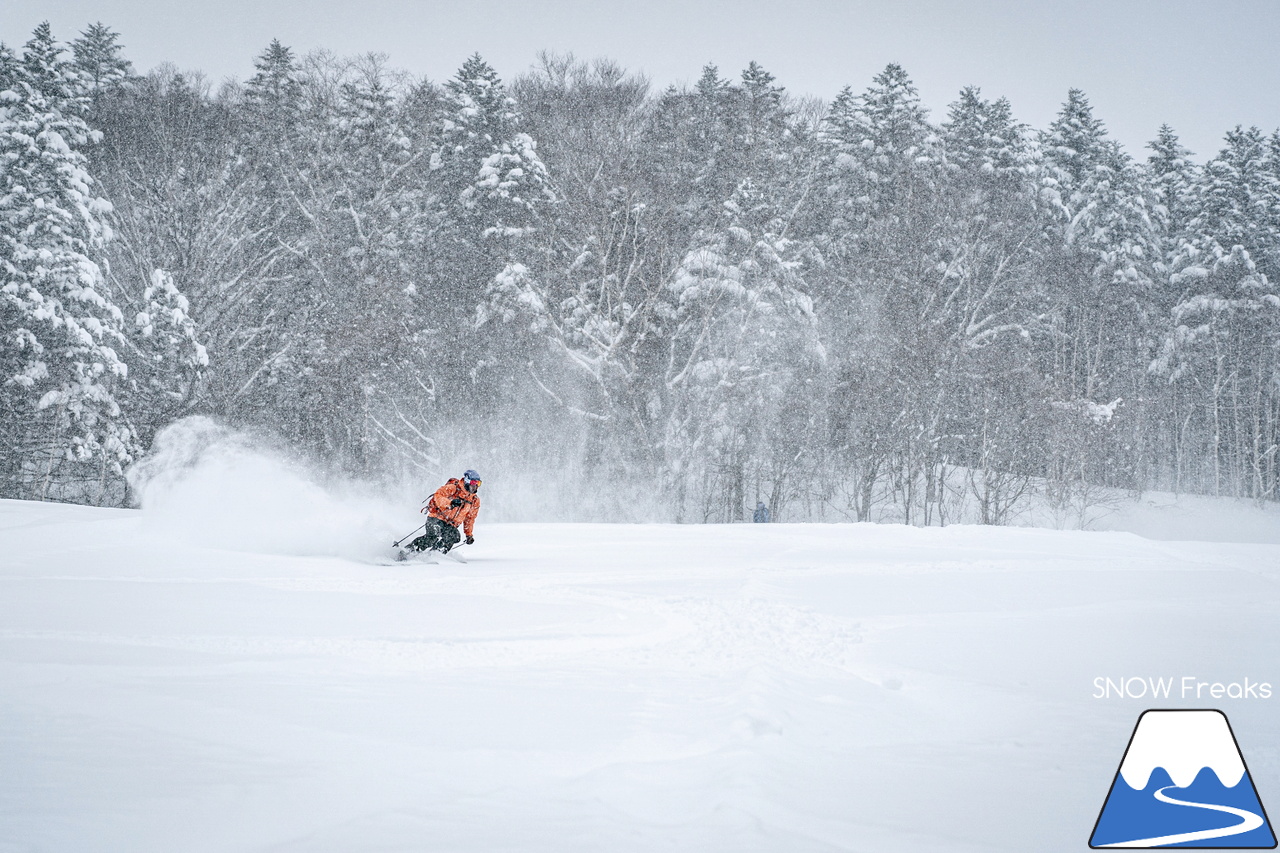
(597, 687)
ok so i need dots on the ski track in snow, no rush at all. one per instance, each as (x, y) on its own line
(690, 632)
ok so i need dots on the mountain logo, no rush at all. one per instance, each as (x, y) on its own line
(1182, 783)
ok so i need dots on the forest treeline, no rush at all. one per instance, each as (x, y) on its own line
(707, 295)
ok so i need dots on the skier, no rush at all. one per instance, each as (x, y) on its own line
(454, 504)
(761, 515)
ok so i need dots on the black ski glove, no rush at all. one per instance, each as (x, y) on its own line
(455, 503)
(471, 540)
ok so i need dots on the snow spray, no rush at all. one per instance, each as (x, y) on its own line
(206, 484)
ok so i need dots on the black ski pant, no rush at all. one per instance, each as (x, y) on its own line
(440, 535)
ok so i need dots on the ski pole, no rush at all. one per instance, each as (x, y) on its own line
(396, 544)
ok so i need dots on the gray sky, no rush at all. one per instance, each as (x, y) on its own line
(1202, 67)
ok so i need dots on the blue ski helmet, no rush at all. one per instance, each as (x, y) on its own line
(471, 481)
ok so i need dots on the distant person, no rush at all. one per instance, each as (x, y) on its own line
(454, 504)
(761, 515)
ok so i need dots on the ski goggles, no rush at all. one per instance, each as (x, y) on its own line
(472, 486)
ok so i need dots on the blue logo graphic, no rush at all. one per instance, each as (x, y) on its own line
(1183, 783)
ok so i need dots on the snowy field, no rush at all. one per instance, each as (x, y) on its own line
(596, 687)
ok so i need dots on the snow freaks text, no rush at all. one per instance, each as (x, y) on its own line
(1185, 687)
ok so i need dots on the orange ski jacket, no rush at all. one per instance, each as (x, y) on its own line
(439, 505)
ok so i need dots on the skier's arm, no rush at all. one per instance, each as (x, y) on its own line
(469, 519)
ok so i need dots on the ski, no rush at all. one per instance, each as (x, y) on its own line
(404, 557)
(431, 557)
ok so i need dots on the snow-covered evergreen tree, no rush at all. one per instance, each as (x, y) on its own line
(879, 169)
(884, 186)
(491, 190)
(1237, 202)
(169, 359)
(99, 56)
(983, 140)
(991, 301)
(706, 142)
(1173, 174)
(1102, 279)
(893, 143)
(1221, 355)
(486, 159)
(271, 154)
(1104, 206)
(65, 435)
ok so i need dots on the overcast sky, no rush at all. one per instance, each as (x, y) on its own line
(1202, 67)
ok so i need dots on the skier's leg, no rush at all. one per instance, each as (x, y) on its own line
(430, 537)
(442, 529)
(449, 536)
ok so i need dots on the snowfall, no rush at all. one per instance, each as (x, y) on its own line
(236, 667)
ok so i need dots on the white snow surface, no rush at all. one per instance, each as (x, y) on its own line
(1183, 743)
(229, 669)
